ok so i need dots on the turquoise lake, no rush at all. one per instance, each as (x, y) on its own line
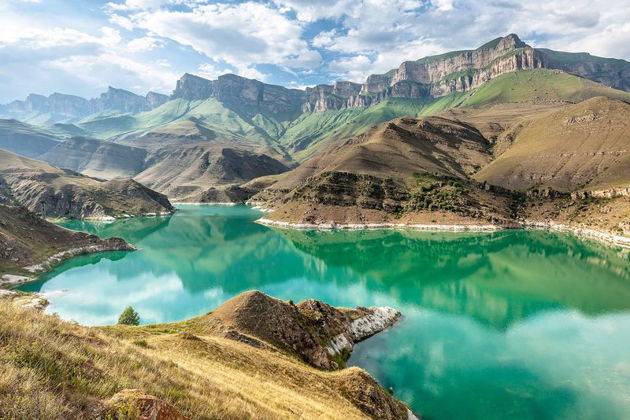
(504, 325)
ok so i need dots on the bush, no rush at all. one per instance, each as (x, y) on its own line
(129, 317)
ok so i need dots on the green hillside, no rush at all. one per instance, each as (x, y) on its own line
(307, 133)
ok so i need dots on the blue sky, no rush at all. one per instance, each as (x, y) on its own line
(83, 46)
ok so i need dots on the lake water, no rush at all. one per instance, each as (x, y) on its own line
(504, 325)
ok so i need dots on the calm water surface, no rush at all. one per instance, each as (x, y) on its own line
(517, 324)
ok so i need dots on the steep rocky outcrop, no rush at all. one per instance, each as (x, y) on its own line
(608, 71)
(240, 93)
(155, 99)
(52, 192)
(320, 334)
(30, 245)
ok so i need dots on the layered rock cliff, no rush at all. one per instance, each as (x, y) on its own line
(434, 76)
(241, 93)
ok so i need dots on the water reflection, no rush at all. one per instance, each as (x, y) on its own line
(508, 324)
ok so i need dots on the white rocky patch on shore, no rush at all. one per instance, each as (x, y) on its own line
(25, 300)
(376, 321)
(358, 226)
(10, 280)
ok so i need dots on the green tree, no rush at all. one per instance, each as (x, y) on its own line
(129, 317)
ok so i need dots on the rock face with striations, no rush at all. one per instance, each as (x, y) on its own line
(434, 76)
(240, 93)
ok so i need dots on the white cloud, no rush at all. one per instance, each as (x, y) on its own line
(241, 35)
(145, 43)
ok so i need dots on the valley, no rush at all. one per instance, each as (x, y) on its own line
(451, 207)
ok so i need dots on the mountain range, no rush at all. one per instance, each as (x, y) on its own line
(230, 138)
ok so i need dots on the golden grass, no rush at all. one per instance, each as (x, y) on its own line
(53, 369)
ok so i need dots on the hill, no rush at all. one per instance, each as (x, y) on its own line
(52, 192)
(579, 147)
(199, 368)
(25, 139)
(96, 158)
(205, 172)
(496, 165)
(29, 244)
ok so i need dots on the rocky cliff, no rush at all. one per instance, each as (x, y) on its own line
(460, 71)
(241, 93)
(434, 76)
(320, 334)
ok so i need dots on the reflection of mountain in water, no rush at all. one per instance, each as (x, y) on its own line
(497, 278)
(132, 230)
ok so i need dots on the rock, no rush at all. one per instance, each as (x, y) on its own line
(320, 334)
(134, 404)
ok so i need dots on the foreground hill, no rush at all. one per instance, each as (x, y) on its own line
(29, 244)
(486, 166)
(217, 366)
(47, 190)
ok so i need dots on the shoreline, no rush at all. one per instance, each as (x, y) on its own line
(218, 203)
(9, 281)
(592, 234)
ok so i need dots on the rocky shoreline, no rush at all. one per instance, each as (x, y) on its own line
(592, 234)
(13, 280)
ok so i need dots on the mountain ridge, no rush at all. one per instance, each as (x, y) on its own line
(427, 77)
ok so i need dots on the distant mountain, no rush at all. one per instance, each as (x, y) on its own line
(97, 158)
(60, 107)
(25, 139)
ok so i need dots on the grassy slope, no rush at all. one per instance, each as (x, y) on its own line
(53, 369)
(539, 86)
(579, 147)
(211, 113)
(306, 135)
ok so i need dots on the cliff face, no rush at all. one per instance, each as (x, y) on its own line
(435, 76)
(240, 93)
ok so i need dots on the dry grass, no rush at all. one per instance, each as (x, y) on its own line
(53, 369)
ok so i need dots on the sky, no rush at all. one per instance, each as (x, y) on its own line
(81, 47)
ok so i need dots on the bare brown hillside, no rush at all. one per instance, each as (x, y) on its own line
(500, 164)
(579, 147)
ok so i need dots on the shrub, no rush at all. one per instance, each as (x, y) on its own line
(129, 317)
